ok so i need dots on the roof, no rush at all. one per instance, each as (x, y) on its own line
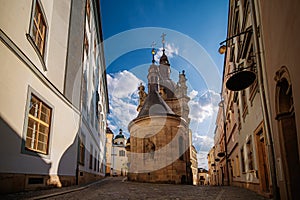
(154, 105)
(119, 136)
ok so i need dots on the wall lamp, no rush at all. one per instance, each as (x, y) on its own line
(240, 78)
(223, 47)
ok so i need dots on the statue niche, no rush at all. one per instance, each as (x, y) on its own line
(149, 149)
(142, 95)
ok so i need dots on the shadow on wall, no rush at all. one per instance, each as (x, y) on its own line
(19, 170)
(67, 171)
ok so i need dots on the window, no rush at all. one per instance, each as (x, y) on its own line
(95, 161)
(38, 126)
(84, 90)
(98, 167)
(233, 167)
(250, 155)
(39, 28)
(81, 151)
(88, 9)
(237, 166)
(243, 160)
(244, 104)
(86, 43)
(121, 153)
(91, 158)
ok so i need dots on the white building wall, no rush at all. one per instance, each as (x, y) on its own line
(119, 163)
(20, 76)
(93, 128)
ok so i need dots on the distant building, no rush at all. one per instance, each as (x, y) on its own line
(159, 135)
(53, 94)
(119, 160)
(212, 171)
(108, 151)
(203, 177)
(194, 164)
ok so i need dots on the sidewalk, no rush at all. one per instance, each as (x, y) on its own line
(46, 193)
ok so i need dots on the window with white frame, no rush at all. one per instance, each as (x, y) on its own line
(38, 126)
(38, 28)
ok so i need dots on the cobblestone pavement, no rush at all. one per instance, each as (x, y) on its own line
(115, 188)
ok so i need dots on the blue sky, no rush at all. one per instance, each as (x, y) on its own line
(194, 29)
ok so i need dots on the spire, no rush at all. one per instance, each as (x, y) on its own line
(163, 59)
(163, 41)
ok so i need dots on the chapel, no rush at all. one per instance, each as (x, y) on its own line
(158, 151)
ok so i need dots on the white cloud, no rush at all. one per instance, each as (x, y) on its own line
(123, 99)
(202, 142)
(202, 159)
(170, 51)
(122, 84)
(203, 109)
(204, 106)
(193, 94)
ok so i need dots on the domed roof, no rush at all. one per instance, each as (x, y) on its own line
(120, 135)
(154, 105)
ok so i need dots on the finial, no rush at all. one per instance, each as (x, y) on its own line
(163, 40)
(153, 51)
(183, 72)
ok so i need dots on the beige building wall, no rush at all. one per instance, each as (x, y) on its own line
(194, 166)
(165, 165)
(280, 65)
(108, 152)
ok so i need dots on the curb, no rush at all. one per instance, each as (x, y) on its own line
(66, 191)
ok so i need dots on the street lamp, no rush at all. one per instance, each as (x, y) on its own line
(221, 104)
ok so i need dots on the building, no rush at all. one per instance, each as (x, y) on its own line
(43, 113)
(212, 172)
(203, 176)
(194, 164)
(94, 100)
(240, 136)
(119, 159)
(260, 118)
(159, 135)
(108, 152)
(279, 71)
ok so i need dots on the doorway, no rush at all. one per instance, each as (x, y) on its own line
(263, 167)
(287, 133)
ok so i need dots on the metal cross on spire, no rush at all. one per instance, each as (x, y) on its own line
(163, 40)
(153, 45)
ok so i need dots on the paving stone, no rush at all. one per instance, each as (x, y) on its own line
(115, 188)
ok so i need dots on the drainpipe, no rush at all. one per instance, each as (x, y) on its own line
(267, 125)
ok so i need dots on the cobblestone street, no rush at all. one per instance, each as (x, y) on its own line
(114, 188)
